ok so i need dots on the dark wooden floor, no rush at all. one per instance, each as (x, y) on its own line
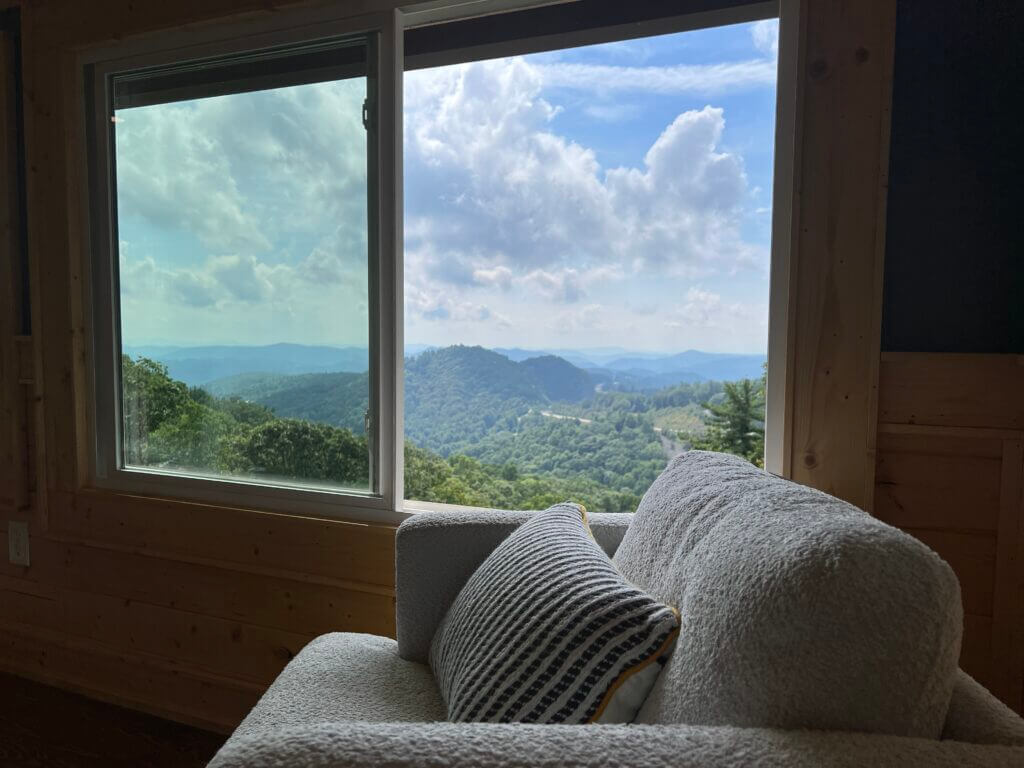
(43, 726)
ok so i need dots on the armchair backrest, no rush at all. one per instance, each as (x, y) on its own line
(436, 552)
(797, 610)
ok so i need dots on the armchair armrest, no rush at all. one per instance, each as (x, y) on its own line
(473, 745)
(436, 552)
(975, 715)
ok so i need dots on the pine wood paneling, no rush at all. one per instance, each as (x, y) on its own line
(224, 590)
(345, 551)
(235, 649)
(952, 390)
(837, 248)
(938, 482)
(950, 470)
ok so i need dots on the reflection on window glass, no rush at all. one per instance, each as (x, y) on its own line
(244, 311)
(586, 266)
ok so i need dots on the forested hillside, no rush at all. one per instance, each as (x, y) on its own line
(481, 429)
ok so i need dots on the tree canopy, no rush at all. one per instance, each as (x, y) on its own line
(482, 431)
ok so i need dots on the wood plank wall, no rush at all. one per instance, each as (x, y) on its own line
(950, 470)
(823, 384)
(185, 610)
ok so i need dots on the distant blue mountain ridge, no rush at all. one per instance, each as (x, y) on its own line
(608, 367)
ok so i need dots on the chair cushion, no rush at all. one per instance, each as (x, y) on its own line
(798, 610)
(547, 631)
(346, 677)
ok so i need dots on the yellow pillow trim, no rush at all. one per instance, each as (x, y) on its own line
(585, 517)
(633, 670)
(628, 673)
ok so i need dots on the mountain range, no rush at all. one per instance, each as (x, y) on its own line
(200, 365)
(609, 368)
(452, 395)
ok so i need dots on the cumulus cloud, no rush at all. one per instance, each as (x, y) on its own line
(172, 175)
(490, 184)
(256, 203)
(253, 206)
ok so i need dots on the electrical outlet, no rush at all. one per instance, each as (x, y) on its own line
(17, 542)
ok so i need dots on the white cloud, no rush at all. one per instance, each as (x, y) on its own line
(243, 277)
(498, 276)
(699, 79)
(171, 174)
(444, 307)
(591, 317)
(501, 210)
(566, 285)
(703, 310)
(247, 214)
(563, 285)
(765, 35)
(488, 184)
(616, 112)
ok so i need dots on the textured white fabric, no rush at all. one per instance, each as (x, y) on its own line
(343, 678)
(436, 552)
(797, 609)
(486, 745)
(976, 716)
(346, 677)
(546, 628)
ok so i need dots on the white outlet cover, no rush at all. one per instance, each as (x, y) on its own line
(17, 542)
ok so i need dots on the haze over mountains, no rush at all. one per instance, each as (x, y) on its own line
(603, 368)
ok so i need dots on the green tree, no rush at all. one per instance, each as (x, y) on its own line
(736, 424)
(149, 397)
(296, 449)
(242, 411)
(191, 439)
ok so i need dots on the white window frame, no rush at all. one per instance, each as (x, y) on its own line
(107, 470)
(389, 504)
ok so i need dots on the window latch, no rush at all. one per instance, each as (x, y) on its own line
(366, 114)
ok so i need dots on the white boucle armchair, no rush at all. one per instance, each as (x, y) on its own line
(361, 700)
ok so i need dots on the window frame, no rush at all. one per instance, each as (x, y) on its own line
(295, 27)
(107, 470)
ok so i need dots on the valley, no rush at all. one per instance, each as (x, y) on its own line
(482, 427)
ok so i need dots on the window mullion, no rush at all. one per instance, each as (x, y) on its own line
(390, 319)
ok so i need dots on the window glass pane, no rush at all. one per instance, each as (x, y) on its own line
(586, 266)
(244, 292)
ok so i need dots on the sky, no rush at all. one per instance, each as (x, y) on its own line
(611, 195)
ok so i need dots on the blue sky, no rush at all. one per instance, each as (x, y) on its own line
(609, 195)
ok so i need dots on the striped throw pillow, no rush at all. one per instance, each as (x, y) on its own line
(548, 631)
